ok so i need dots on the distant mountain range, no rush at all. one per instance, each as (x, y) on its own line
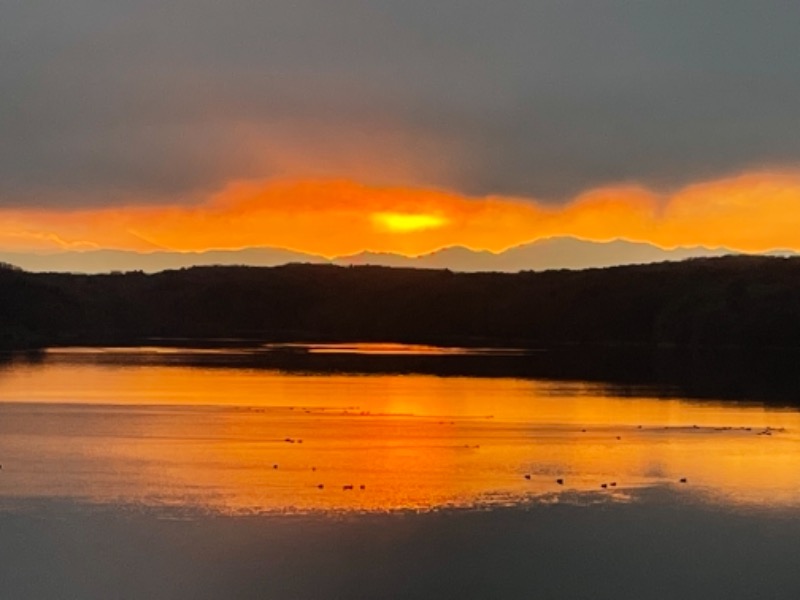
(104, 261)
(553, 253)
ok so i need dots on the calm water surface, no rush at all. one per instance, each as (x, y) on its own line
(100, 426)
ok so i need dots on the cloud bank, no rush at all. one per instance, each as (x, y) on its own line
(114, 102)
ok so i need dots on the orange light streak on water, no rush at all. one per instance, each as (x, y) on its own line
(211, 437)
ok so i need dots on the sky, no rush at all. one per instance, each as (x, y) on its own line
(336, 127)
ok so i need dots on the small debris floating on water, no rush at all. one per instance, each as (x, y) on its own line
(683, 479)
(560, 481)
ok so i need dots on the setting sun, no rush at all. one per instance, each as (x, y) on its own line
(404, 223)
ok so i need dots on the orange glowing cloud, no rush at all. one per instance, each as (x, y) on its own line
(751, 212)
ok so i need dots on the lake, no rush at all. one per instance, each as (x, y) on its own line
(203, 448)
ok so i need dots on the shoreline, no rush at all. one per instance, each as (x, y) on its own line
(711, 373)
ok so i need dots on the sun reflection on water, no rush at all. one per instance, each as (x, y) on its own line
(237, 440)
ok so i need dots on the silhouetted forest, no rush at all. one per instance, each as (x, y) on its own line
(731, 301)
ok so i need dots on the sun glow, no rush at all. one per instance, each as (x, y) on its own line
(752, 212)
(404, 223)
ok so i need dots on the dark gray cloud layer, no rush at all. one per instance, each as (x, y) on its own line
(105, 100)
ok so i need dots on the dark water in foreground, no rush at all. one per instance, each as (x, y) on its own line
(158, 473)
(655, 548)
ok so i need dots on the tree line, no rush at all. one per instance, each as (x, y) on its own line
(729, 301)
